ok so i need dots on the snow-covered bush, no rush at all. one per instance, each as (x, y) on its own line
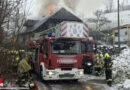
(121, 70)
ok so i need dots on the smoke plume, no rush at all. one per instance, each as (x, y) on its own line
(87, 7)
(81, 7)
(42, 5)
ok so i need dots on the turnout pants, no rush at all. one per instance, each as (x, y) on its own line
(108, 74)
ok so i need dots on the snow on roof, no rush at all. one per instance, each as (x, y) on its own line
(124, 19)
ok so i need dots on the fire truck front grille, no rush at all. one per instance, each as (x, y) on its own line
(66, 75)
(66, 65)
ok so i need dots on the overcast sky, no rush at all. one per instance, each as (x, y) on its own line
(83, 7)
(87, 7)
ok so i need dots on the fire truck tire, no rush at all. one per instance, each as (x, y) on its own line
(75, 80)
(41, 72)
(88, 71)
(33, 69)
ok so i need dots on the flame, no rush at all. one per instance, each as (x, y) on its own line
(68, 5)
(50, 9)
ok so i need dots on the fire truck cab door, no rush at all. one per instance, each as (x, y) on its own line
(45, 52)
(36, 60)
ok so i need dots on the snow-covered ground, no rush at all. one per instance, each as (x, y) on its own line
(98, 81)
(88, 82)
(121, 72)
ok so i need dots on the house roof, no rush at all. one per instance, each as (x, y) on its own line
(57, 17)
(121, 27)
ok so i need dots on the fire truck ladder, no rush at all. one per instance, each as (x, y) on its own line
(47, 30)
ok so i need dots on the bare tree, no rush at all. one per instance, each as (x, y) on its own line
(109, 6)
(122, 6)
(20, 20)
(99, 19)
(12, 17)
(7, 10)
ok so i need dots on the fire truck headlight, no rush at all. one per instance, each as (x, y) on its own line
(81, 72)
(89, 64)
(50, 73)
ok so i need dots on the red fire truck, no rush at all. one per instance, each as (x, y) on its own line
(60, 56)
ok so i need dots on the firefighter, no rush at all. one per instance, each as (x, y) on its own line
(101, 55)
(30, 57)
(102, 61)
(108, 68)
(17, 60)
(24, 69)
(98, 65)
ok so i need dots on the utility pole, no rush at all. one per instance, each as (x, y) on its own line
(118, 24)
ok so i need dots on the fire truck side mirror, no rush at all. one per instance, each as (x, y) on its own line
(46, 54)
(41, 51)
(41, 47)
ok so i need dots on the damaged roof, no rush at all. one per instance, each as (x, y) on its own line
(54, 19)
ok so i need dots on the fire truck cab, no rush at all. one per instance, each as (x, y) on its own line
(58, 59)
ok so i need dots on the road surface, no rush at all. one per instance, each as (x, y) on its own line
(88, 82)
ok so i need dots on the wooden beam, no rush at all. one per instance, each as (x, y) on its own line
(121, 27)
(113, 37)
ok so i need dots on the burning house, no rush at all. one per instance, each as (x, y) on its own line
(38, 26)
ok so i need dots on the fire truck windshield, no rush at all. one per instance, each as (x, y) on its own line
(65, 47)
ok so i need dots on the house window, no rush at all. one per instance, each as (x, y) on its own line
(126, 33)
(116, 34)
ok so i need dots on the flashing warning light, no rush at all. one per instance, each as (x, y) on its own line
(49, 34)
(1, 82)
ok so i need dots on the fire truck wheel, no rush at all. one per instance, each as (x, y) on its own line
(75, 80)
(88, 71)
(33, 69)
(41, 72)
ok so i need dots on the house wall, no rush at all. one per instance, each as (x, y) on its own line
(24, 38)
(124, 35)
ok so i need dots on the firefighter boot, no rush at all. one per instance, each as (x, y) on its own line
(109, 82)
